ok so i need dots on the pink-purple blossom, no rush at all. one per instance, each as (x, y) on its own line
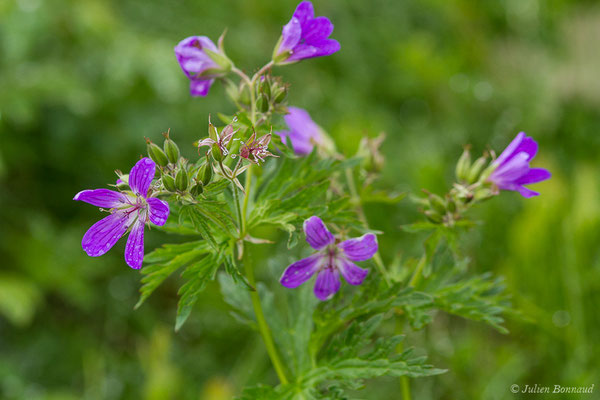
(330, 260)
(129, 211)
(194, 57)
(305, 36)
(303, 132)
(511, 168)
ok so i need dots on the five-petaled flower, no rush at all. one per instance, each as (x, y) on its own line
(128, 211)
(256, 149)
(511, 169)
(331, 260)
(305, 36)
(303, 132)
(201, 61)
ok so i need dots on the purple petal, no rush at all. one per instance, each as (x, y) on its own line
(511, 170)
(353, 274)
(141, 176)
(534, 175)
(510, 149)
(300, 271)
(525, 192)
(103, 235)
(304, 13)
(303, 133)
(134, 250)
(360, 249)
(200, 87)
(158, 211)
(102, 198)
(290, 34)
(323, 48)
(317, 234)
(317, 29)
(327, 283)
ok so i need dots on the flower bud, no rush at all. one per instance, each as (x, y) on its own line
(483, 193)
(171, 150)
(437, 203)
(265, 86)
(169, 183)
(476, 169)
(451, 204)
(197, 189)
(181, 179)
(280, 94)
(156, 154)
(263, 103)
(205, 173)
(463, 165)
(433, 216)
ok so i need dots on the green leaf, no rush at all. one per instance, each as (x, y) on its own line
(167, 259)
(197, 275)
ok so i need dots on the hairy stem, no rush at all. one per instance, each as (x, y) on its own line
(363, 219)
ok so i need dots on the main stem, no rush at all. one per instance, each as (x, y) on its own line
(263, 327)
(363, 219)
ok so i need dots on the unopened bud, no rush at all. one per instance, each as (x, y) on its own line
(280, 95)
(463, 165)
(451, 204)
(433, 216)
(483, 193)
(197, 189)
(171, 150)
(437, 203)
(476, 169)
(156, 154)
(169, 183)
(205, 173)
(263, 103)
(181, 179)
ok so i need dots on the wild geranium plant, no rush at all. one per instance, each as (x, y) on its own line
(270, 165)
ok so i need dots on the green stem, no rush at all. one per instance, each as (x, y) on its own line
(418, 272)
(263, 327)
(246, 197)
(236, 200)
(363, 219)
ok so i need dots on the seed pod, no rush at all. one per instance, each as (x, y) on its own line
(433, 216)
(205, 173)
(437, 203)
(169, 183)
(181, 179)
(451, 204)
(476, 169)
(463, 165)
(197, 189)
(265, 86)
(156, 154)
(263, 103)
(280, 95)
(171, 150)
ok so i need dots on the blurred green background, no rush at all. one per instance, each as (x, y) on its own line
(83, 81)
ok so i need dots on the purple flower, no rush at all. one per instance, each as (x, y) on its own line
(330, 260)
(128, 211)
(303, 133)
(201, 61)
(511, 168)
(305, 36)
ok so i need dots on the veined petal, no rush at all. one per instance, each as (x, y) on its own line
(300, 271)
(327, 283)
(326, 47)
(510, 149)
(102, 197)
(158, 211)
(317, 234)
(290, 35)
(304, 13)
(534, 175)
(526, 192)
(200, 87)
(511, 170)
(317, 29)
(353, 274)
(322, 48)
(141, 176)
(134, 249)
(360, 249)
(103, 235)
